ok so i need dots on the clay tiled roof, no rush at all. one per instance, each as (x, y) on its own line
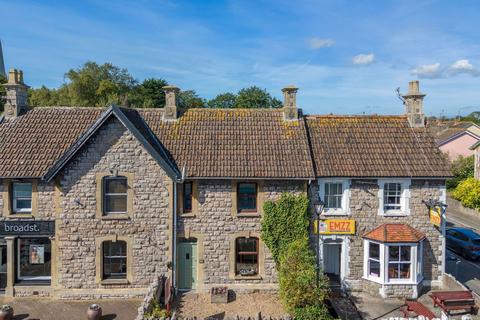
(32, 143)
(207, 142)
(373, 146)
(395, 232)
(235, 143)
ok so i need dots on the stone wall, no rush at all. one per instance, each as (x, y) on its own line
(112, 149)
(216, 224)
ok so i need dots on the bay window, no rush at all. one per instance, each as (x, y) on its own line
(393, 263)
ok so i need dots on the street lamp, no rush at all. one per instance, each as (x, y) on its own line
(318, 210)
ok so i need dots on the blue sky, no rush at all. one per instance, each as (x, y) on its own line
(347, 57)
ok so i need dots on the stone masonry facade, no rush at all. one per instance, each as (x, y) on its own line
(364, 204)
(113, 149)
(216, 225)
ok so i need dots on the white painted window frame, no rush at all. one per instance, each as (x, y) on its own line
(404, 201)
(345, 209)
(416, 267)
(15, 198)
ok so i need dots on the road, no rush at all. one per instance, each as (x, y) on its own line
(467, 272)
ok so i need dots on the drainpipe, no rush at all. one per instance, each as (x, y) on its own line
(174, 240)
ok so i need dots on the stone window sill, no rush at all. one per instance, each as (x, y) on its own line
(248, 215)
(119, 216)
(257, 277)
(20, 215)
(114, 281)
(188, 215)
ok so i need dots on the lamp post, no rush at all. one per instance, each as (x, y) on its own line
(318, 211)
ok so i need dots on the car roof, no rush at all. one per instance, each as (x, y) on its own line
(468, 232)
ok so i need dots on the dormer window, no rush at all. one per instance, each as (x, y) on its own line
(115, 195)
(21, 197)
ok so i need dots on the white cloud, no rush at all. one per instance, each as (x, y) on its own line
(363, 59)
(317, 43)
(463, 66)
(429, 71)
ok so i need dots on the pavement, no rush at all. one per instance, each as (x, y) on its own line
(48, 309)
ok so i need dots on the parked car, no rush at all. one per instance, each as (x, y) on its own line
(465, 242)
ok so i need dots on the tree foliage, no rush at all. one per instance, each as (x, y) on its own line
(462, 169)
(468, 193)
(98, 85)
(224, 100)
(254, 97)
(284, 221)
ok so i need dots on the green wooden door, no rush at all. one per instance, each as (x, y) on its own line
(187, 265)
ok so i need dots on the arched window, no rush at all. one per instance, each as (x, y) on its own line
(115, 195)
(114, 260)
(246, 251)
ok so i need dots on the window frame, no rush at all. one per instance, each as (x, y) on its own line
(105, 195)
(117, 276)
(399, 262)
(18, 275)
(255, 197)
(379, 260)
(256, 253)
(404, 199)
(345, 200)
(14, 199)
(184, 209)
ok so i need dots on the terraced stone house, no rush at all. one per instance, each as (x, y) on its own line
(96, 202)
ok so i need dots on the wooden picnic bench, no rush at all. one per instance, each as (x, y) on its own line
(454, 300)
(417, 308)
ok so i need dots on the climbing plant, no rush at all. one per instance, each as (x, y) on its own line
(284, 221)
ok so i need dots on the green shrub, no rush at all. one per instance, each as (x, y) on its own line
(284, 221)
(462, 169)
(315, 312)
(468, 193)
(297, 277)
(156, 311)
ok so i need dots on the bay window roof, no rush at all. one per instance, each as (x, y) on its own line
(395, 233)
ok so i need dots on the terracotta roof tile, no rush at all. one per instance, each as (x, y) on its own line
(373, 146)
(395, 233)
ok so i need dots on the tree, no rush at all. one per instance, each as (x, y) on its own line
(462, 169)
(254, 97)
(189, 99)
(99, 85)
(224, 100)
(148, 94)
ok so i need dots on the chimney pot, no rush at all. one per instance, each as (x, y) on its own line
(290, 110)
(171, 101)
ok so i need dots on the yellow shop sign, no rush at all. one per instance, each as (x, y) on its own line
(436, 216)
(335, 226)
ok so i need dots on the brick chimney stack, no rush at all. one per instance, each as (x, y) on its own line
(414, 105)
(290, 109)
(17, 95)
(171, 101)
